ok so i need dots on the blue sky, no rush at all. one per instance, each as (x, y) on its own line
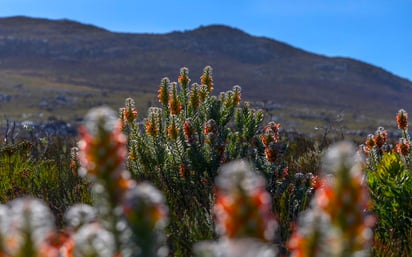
(375, 31)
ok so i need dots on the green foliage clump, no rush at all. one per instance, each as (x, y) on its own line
(391, 190)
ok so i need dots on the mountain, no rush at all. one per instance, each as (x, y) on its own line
(56, 67)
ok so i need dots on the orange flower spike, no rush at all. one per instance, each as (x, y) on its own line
(194, 97)
(163, 92)
(172, 129)
(337, 207)
(130, 111)
(271, 153)
(266, 138)
(189, 131)
(275, 128)
(207, 79)
(152, 121)
(53, 244)
(183, 78)
(370, 142)
(237, 95)
(402, 119)
(175, 106)
(150, 128)
(145, 210)
(203, 93)
(270, 133)
(102, 147)
(243, 208)
(403, 147)
(381, 137)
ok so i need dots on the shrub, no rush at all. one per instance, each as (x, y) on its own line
(389, 179)
(51, 179)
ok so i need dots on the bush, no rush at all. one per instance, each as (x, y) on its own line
(48, 178)
(389, 179)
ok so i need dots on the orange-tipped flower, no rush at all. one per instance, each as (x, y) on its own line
(172, 129)
(337, 223)
(194, 99)
(102, 145)
(175, 106)
(188, 131)
(183, 78)
(152, 122)
(237, 95)
(381, 137)
(151, 128)
(243, 206)
(270, 133)
(145, 211)
(203, 93)
(144, 207)
(369, 143)
(54, 244)
(163, 92)
(29, 224)
(402, 119)
(207, 79)
(271, 152)
(403, 147)
(129, 111)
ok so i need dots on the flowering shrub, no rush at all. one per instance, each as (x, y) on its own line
(180, 146)
(389, 170)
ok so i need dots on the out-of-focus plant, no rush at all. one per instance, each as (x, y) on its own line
(338, 222)
(127, 219)
(244, 220)
(389, 179)
(26, 224)
(130, 217)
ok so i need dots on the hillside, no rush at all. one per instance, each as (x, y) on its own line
(61, 67)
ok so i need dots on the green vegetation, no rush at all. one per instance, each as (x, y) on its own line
(41, 169)
(287, 195)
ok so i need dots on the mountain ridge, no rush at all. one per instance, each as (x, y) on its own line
(69, 52)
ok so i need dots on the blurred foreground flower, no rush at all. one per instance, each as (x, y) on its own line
(25, 225)
(146, 214)
(243, 215)
(337, 223)
(128, 219)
